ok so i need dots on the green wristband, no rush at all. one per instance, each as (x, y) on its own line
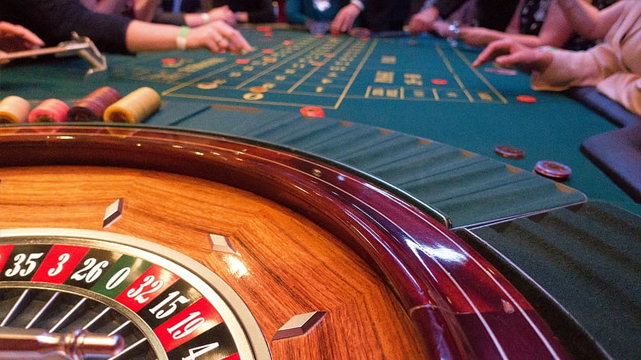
(181, 39)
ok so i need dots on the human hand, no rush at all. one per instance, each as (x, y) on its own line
(345, 18)
(217, 36)
(476, 36)
(509, 53)
(17, 38)
(423, 21)
(223, 13)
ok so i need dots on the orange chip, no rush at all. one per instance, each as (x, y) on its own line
(258, 89)
(312, 111)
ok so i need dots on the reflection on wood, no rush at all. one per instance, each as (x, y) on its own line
(284, 264)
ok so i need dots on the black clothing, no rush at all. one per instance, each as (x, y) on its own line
(385, 15)
(491, 14)
(54, 21)
(258, 11)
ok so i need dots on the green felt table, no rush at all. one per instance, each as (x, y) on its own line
(413, 115)
(418, 86)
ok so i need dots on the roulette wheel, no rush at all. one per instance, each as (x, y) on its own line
(192, 245)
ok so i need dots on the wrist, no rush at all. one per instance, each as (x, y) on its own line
(206, 18)
(359, 4)
(181, 38)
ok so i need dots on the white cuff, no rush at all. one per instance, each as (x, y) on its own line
(358, 3)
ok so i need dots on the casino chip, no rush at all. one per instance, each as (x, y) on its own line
(242, 61)
(312, 111)
(500, 71)
(439, 81)
(526, 99)
(509, 152)
(553, 170)
(360, 32)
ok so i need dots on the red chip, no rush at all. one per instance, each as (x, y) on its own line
(312, 111)
(553, 170)
(509, 152)
(439, 82)
(267, 51)
(334, 32)
(242, 61)
(287, 42)
(526, 99)
(263, 28)
(169, 61)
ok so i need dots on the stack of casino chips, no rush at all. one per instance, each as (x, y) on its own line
(92, 107)
(136, 107)
(50, 110)
(14, 109)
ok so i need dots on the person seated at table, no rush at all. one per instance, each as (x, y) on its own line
(17, 38)
(380, 16)
(154, 11)
(54, 21)
(317, 15)
(612, 66)
(249, 11)
(535, 23)
(491, 14)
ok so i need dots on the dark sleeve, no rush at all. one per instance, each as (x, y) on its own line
(385, 15)
(258, 11)
(163, 17)
(447, 7)
(262, 12)
(495, 14)
(54, 21)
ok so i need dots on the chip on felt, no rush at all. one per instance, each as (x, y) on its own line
(439, 81)
(500, 71)
(312, 111)
(258, 89)
(242, 61)
(509, 152)
(553, 170)
(526, 99)
(288, 42)
(267, 51)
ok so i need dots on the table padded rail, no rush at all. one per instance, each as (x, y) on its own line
(583, 264)
(465, 188)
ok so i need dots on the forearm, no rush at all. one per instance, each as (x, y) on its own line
(482, 37)
(145, 9)
(585, 18)
(143, 36)
(572, 68)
